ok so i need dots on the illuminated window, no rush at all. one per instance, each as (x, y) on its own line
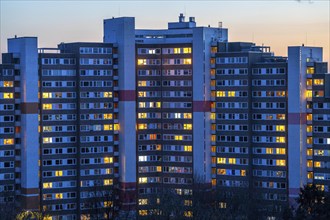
(221, 171)
(221, 160)
(178, 137)
(318, 82)
(142, 62)
(116, 127)
(309, 140)
(176, 50)
(269, 151)
(143, 201)
(310, 175)
(187, 126)
(319, 153)
(107, 127)
(280, 162)
(280, 93)
(143, 212)
(47, 185)
(309, 163)
(214, 49)
(310, 70)
(309, 128)
(212, 60)
(47, 106)
(47, 128)
(309, 82)
(142, 126)
(143, 180)
(212, 71)
(107, 204)
(107, 182)
(280, 139)
(317, 164)
(319, 93)
(142, 104)
(188, 214)
(59, 195)
(46, 95)
(142, 115)
(212, 116)
(213, 127)
(187, 50)
(107, 94)
(309, 94)
(152, 136)
(187, 115)
(107, 116)
(187, 61)
(280, 116)
(187, 202)
(222, 205)
(188, 148)
(321, 187)
(221, 94)
(309, 152)
(142, 94)
(243, 172)
(159, 169)
(280, 150)
(8, 84)
(212, 104)
(213, 149)
(213, 138)
(309, 117)
(8, 141)
(213, 160)
(8, 95)
(280, 127)
(58, 173)
(231, 93)
(142, 83)
(108, 160)
(232, 160)
(47, 140)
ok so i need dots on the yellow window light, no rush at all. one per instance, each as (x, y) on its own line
(108, 160)
(142, 62)
(8, 95)
(58, 173)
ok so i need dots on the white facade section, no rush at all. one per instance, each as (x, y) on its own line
(121, 31)
(202, 40)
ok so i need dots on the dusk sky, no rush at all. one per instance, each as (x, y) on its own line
(277, 23)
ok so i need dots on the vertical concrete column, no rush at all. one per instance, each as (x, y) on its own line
(27, 50)
(121, 31)
(201, 107)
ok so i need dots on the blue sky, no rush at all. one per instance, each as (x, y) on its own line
(277, 23)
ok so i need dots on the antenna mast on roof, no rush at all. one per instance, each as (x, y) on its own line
(220, 30)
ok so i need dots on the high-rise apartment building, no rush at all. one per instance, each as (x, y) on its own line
(249, 121)
(93, 129)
